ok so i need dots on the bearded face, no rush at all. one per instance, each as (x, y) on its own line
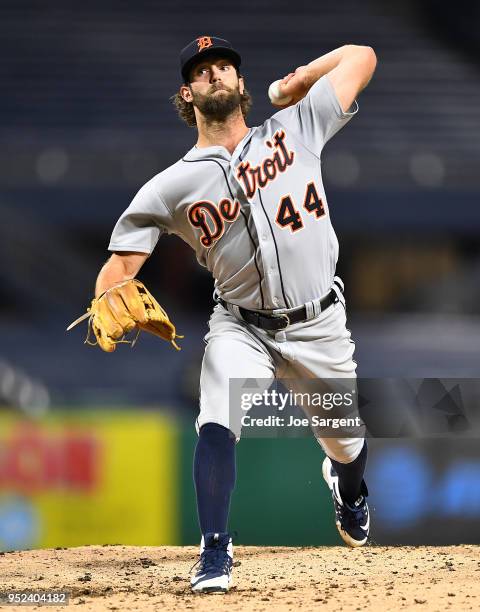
(219, 102)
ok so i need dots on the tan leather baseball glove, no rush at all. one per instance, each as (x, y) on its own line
(121, 309)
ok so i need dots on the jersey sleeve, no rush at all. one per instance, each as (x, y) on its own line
(317, 117)
(142, 223)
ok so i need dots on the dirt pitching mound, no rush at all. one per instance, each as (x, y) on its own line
(265, 578)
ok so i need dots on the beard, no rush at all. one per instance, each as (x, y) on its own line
(217, 107)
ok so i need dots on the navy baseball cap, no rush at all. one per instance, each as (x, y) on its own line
(202, 47)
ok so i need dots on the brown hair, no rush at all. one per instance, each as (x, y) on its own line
(185, 109)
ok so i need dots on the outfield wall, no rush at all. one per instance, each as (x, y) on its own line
(125, 477)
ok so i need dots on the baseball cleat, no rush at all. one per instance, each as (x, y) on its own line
(214, 574)
(353, 522)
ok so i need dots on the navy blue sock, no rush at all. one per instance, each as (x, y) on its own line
(214, 476)
(350, 476)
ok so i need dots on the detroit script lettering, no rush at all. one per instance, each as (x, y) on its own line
(210, 218)
(266, 171)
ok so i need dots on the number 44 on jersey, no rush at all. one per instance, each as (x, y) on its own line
(289, 216)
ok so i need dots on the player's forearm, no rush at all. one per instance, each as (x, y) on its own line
(116, 270)
(112, 273)
(120, 267)
(354, 64)
(328, 62)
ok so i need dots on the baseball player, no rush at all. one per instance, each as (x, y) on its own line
(251, 203)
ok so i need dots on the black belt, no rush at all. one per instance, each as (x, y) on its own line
(277, 322)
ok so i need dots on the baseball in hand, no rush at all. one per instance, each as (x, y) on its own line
(275, 95)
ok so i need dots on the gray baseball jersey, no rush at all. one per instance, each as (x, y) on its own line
(258, 218)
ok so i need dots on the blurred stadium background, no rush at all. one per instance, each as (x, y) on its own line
(97, 448)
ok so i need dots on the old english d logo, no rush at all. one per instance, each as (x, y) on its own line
(204, 42)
